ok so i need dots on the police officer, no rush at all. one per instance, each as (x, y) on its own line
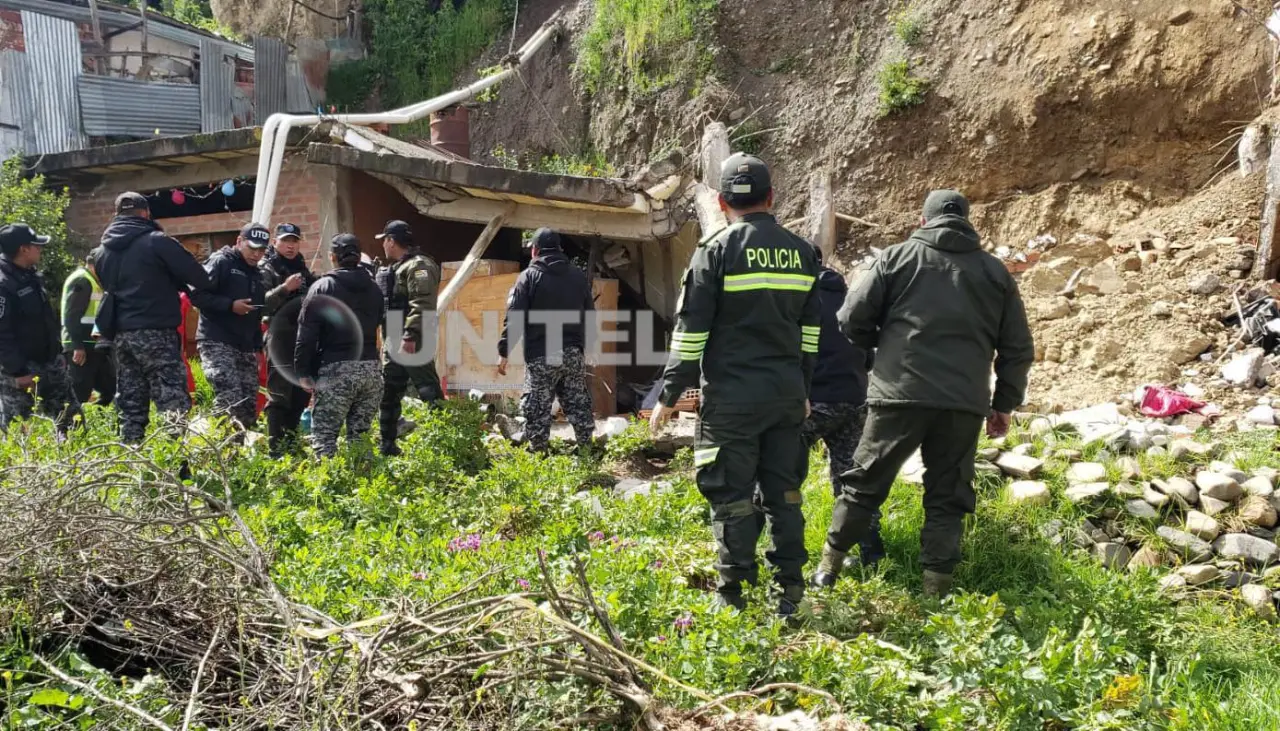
(748, 321)
(337, 348)
(30, 357)
(286, 278)
(142, 271)
(556, 367)
(410, 285)
(938, 309)
(92, 366)
(229, 336)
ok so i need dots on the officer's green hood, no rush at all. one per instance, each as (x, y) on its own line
(948, 233)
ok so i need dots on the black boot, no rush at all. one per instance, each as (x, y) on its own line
(828, 568)
(390, 449)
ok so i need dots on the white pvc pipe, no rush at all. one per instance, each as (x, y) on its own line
(275, 131)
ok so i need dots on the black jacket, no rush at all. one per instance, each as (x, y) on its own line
(551, 283)
(143, 270)
(233, 279)
(29, 330)
(321, 340)
(275, 270)
(840, 375)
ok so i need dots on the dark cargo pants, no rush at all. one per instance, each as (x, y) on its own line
(839, 426)
(396, 379)
(737, 447)
(948, 441)
(97, 374)
(285, 404)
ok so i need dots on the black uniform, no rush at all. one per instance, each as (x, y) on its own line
(748, 323)
(30, 345)
(285, 400)
(229, 343)
(409, 287)
(551, 284)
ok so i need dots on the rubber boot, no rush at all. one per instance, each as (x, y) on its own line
(828, 568)
(789, 602)
(936, 585)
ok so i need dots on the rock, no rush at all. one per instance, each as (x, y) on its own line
(1181, 16)
(1052, 531)
(1265, 415)
(1145, 558)
(1212, 505)
(1202, 526)
(1271, 575)
(1250, 549)
(1102, 279)
(1179, 487)
(1129, 490)
(1158, 450)
(631, 488)
(1204, 284)
(1068, 454)
(1173, 584)
(1017, 465)
(1217, 485)
(1258, 598)
(1237, 579)
(1154, 497)
(1247, 369)
(1059, 308)
(1085, 492)
(1186, 448)
(1114, 556)
(1029, 492)
(1161, 310)
(990, 454)
(1129, 468)
(1257, 511)
(1228, 469)
(1086, 472)
(1140, 510)
(1263, 533)
(1040, 426)
(1184, 544)
(1259, 486)
(1199, 573)
(1023, 450)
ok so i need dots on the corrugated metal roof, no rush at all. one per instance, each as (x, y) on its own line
(217, 78)
(111, 19)
(53, 65)
(16, 101)
(138, 108)
(270, 95)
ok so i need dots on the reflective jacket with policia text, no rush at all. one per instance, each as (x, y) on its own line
(748, 318)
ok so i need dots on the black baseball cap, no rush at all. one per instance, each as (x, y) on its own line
(398, 230)
(130, 201)
(945, 203)
(745, 175)
(544, 239)
(257, 235)
(344, 245)
(16, 235)
(286, 230)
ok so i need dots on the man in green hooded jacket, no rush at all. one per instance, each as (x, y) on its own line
(939, 310)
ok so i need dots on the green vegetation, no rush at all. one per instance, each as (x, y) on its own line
(646, 45)
(1039, 637)
(592, 164)
(197, 13)
(900, 89)
(908, 25)
(27, 200)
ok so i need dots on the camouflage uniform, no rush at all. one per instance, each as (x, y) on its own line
(561, 375)
(409, 286)
(53, 388)
(233, 373)
(346, 391)
(149, 367)
(839, 426)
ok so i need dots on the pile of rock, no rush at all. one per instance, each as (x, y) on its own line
(1215, 527)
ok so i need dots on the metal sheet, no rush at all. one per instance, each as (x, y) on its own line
(138, 108)
(114, 19)
(270, 95)
(16, 104)
(297, 92)
(217, 80)
(53, 65)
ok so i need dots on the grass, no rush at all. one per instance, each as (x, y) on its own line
(1038, 636)
(646, 45)
(908, 26)
(900, 88)
(591, 164)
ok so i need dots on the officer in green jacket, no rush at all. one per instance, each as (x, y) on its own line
(940, 310)
(748, 322)
(409, 285)
(91, 363)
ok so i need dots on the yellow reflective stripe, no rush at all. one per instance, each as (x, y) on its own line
(811, 329)
(703, 457)
(688, 356)
(684, 335)
(806, 348)
(768, 280)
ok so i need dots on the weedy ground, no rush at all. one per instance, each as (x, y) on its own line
(1036, 638)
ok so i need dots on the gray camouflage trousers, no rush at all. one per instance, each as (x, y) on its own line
(346, 392)
(149, 368)
(233, 373)
(839, 426)
(53, 390)
(563, 377)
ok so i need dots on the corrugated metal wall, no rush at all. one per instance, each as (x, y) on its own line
(270, 93)
(53, 65)
(299, 96)
(16, 103)
(138, 108)
(217, 77)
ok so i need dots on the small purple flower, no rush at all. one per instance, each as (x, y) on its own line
(662, 638)
(595, 536)
(420, 575)
(523, 583)
(469, 542)
(682, 624)
(656, 565)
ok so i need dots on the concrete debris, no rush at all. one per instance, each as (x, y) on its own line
(1017, 465)
(1204, 284)
(1253, 150)
(1248, 369)
(1029, 492)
